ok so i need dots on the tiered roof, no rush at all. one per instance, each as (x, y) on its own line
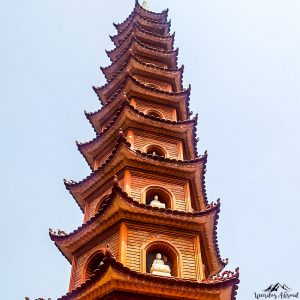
(139, 68)
(138, 9)
(123, 156)
(119, 204)
(112, 276)
(126, 117)
(144, 49)
(133, 40)
(131, 87)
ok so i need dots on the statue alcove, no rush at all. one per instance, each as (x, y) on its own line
(169, 254)
(152, 256)
(156, 150)
(161, 194)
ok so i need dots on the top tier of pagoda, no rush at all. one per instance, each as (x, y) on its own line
(146, 193)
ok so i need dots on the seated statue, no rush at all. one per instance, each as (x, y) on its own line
(156, 203)
(159, 267)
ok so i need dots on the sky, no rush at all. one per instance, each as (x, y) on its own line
(242, 58)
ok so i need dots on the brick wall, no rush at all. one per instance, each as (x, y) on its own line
(167, 86)
(103, 191)
(103, 155)
(110, 237)
(142, 139)
(139, 235)
(140, 180)
(151, 60)
(167, 111)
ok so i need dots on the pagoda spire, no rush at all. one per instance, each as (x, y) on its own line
(145, 5)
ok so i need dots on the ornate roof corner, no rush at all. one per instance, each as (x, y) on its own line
(57, 233)
(223, 276)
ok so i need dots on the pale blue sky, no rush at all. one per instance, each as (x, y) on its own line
(242, 59)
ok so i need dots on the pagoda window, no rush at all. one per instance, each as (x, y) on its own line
(153, 85)
(157, 193)
(155, 113)
(93, 264)
(102, 200)
(156, 150)
(161, 257)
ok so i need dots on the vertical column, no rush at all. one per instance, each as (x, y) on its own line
(130, 138)
(127, 182)
(198, 259)
(123, 244)
(86, 212)
(180, 151)
(174, 115)
(73, 273)
(96, 165)
(133, 103)
(187, 197)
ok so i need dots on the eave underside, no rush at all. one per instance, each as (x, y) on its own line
(119, 206)
(112, 276)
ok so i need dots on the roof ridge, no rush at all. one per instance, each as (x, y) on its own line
(117, 189)
(226, 277)
(164, 12)
(141, 84)
(127, 103)
(134, 42)
(141, 44)
(122, 140)
(150, 66)
(161, 23)
(136, 26)
(133, 57)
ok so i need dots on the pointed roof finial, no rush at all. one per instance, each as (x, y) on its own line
(145, 5)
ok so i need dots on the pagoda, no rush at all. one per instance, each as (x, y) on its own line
(148, 230)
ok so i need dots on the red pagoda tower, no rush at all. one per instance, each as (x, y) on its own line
(148, 230)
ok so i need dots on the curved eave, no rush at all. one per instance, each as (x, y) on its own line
(123, 156)
(159, 16)
(173, 77)
(161, 42)
(110, 75)
(89, 149)
(144, 22)
(108, 90)
(115, 53)
(114, 276)
(156, 17)
(125, 88)
(120, 37)
(120, 206)
(170, 58)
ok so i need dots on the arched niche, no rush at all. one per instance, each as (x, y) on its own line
(103, 199)
(93, 264)
(155, 113)
(156, 150)
(168, 251)
(152, 85)
(165, 196)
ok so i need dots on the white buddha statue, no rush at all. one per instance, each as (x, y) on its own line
(156, 203)
(159, 267)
